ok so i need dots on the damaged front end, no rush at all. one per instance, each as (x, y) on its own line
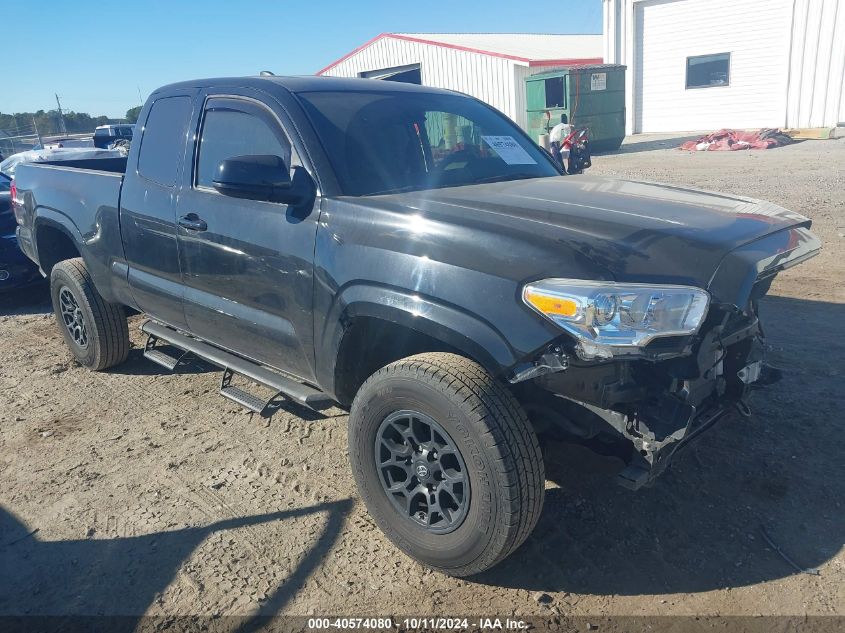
(658, 405)
(656, 380)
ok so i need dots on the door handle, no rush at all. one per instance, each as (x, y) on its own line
(193, 222)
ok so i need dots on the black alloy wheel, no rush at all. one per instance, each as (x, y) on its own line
(73, 318)
(422, 471)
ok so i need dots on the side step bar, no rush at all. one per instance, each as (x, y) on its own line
(231, 364)
(161, 357)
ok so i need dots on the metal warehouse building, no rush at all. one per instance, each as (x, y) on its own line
(709, 64)
(489, 66)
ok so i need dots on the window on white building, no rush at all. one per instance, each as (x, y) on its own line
(707, 71)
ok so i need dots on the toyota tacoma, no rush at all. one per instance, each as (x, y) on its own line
(409, 254)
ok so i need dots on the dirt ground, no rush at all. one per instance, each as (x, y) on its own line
(149, 494)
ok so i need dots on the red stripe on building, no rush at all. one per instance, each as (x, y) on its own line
(516, 58)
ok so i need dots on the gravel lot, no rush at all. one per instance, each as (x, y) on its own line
(152, 495)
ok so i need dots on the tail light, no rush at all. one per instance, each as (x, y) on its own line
(17, 206)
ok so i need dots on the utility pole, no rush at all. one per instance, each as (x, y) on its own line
(61, 116)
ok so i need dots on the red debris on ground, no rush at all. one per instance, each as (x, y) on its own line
(731, 140)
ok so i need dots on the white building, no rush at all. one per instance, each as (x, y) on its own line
(710, 64)
(489, 66)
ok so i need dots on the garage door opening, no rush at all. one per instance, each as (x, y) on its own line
(409, 74)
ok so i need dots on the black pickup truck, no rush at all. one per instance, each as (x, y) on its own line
(411, 255)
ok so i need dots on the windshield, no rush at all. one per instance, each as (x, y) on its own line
(385, 142)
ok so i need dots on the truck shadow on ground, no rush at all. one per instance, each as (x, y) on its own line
(698, 528)
(124, 575)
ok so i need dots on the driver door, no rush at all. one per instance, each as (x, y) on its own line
(247, 265)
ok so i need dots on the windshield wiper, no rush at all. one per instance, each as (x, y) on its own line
(404, 189)
(504, 177)
(445, 185)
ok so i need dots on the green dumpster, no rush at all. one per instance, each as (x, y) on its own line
(591, 96)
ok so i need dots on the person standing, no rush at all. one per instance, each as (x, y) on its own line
(556, 138)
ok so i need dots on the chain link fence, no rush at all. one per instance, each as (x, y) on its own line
(14, 141)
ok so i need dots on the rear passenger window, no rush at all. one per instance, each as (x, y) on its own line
(163, 139)
(227, 133)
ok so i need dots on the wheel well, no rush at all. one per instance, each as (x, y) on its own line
(53, 246)
(369, 344)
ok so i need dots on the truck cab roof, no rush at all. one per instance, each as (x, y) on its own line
(303, 83)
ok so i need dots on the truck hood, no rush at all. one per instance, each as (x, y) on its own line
(631, 231)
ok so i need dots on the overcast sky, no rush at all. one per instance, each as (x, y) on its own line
(98, 55)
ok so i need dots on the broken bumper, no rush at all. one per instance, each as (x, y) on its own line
(651, 457)
(660, 407)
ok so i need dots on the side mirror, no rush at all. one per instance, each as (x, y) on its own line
(260, 177)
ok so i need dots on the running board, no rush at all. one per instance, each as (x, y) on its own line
(265, 407)
(231, 364)
(160, 357)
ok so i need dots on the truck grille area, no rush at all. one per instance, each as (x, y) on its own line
(709, 378)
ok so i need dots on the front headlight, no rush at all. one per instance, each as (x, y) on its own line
(611, 319)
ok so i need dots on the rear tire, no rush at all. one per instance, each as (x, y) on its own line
(471, 414)
(95, 331)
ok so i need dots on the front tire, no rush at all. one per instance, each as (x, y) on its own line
(446, 462)
(95, 331)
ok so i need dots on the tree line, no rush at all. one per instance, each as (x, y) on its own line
(47, 123)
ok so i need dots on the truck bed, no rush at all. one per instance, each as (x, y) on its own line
(79, 198)
(112, 165)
